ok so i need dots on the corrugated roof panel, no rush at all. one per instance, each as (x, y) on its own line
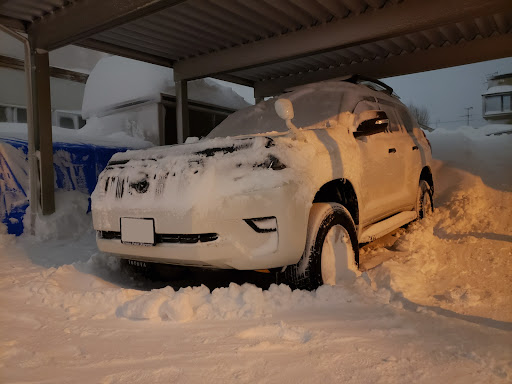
(503, 22)
(355, 6)
(28, 10)
(437, 37)
(338, 10)
(122, 42)
(200, 27)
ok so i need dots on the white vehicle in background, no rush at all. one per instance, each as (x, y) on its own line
(294, 183)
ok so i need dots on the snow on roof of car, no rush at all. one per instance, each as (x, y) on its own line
(116, 80)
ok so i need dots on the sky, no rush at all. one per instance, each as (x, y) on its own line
(445, 92)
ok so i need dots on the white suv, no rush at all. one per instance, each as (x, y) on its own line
(293, 184)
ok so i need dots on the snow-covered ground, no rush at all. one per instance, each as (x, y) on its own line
(434, 306)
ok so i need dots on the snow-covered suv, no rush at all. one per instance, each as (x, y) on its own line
(294, 183)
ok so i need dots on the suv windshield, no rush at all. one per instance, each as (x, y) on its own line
(314, 107)
(259, 118)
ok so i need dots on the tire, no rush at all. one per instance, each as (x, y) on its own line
(424, 200)
(331, 253)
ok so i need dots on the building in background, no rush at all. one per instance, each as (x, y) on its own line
(497, 100)
(66, 95)
(138, 99)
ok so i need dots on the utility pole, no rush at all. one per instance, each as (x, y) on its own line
(468, 114)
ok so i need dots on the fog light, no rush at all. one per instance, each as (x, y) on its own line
(263, 224)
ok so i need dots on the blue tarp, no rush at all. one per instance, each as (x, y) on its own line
(76, 166)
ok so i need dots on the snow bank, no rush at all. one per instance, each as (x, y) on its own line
(116, 80)
(471, 150)
(69, 220)
(459, 258)
(92, 135)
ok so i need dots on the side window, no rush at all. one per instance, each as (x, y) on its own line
(393, 121)
(406, 119)
(21, 115)
(3, 114)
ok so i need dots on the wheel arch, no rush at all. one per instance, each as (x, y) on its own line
(340, 191)
(426, 174)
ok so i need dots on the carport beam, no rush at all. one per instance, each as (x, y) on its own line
(42, 127)
(182, 111)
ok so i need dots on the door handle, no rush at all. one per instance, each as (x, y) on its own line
(391, 150)
(415, 148)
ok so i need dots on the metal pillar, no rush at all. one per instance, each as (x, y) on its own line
(182, 111)
(33, 164)
(42, 127)
(161, 124)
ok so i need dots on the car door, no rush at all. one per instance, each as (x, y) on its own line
(380, 169)
(413, 153)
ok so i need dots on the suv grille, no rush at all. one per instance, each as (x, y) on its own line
(167, 237)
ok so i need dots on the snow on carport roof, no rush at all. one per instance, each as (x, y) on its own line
(278, 44)
(116, 80)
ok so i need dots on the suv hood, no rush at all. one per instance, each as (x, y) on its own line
(203, 148)
(189, 176)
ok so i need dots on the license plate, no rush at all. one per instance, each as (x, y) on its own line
(137, 231)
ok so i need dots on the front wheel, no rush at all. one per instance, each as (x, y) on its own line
(331, 254)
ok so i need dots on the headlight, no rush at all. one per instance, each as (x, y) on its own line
(271, 162)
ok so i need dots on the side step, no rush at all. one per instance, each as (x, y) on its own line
(383, 227)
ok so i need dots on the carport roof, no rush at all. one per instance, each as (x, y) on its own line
(272, 45)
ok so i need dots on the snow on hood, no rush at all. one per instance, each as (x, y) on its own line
(180, 174)
(115, 80)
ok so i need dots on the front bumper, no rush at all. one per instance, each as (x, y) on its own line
(238, 245)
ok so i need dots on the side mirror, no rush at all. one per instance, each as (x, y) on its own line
(284, 109)
(371, 123)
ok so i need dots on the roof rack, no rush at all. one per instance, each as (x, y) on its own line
(360, 79)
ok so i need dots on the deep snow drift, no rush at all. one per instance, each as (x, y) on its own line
(436, 310)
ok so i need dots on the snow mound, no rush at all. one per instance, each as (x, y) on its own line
(69, 220)
(115, 80)
(234, 302)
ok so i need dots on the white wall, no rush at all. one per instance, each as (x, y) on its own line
(65, 94)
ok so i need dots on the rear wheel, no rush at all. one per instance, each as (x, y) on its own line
(424, 200)
(331, 254)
